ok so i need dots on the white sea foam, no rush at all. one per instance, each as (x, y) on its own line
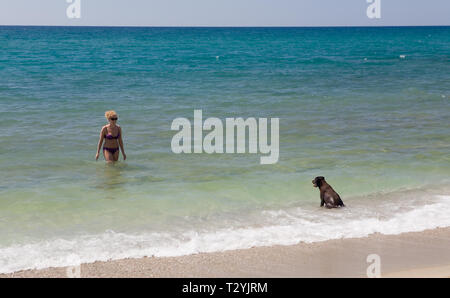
(282, 227)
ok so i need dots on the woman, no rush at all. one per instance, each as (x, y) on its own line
(112, 135)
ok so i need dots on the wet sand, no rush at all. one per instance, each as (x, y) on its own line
(415, 254)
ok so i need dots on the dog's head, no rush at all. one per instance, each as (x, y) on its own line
(317, 182)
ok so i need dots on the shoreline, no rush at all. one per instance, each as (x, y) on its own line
(412, 254)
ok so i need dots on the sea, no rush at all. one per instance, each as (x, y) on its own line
(368, 108)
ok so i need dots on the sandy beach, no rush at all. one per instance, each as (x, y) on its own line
(415, 254)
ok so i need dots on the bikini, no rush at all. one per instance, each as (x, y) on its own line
(110, 137)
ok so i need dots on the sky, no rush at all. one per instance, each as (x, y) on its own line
(225, 13)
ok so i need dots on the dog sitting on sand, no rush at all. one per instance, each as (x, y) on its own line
(328, 196)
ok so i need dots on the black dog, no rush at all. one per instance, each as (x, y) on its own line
(327, 194)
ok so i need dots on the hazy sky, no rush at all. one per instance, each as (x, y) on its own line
(225, 13)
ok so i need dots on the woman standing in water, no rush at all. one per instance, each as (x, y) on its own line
(112, 135)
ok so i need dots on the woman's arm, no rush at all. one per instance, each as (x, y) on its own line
(100, 142)
(121, 144)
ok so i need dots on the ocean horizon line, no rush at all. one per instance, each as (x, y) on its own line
(250, 27)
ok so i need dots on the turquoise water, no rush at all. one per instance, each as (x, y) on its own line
(368, 108)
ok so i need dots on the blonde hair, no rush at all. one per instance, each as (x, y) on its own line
(109, 114)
